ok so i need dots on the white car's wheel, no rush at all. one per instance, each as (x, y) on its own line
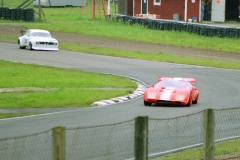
(30, 46)
(21, 47)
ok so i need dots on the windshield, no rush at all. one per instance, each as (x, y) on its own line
(173, 84)
(40, 34)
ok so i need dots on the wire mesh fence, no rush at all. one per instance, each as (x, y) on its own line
(227, 133)
(115, 141)
(174, 135)
(173, 138)
(30, 147)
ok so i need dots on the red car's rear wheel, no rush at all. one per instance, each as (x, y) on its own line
(196, 100)
(189, 101)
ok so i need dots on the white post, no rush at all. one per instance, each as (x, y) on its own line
(108, 13)
(200, 9)
(185, 11)
(133, 7)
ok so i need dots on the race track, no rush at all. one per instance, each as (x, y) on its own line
(219, 88)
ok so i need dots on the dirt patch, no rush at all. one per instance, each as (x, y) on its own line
(19, 89)
(126, 45)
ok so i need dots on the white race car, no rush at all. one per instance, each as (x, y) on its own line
(36, 39)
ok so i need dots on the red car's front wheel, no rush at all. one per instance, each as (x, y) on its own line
(147, 103)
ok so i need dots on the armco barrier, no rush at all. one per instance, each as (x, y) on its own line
(197, 28)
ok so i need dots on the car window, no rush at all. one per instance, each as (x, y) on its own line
(40, 34)
(27, 33)
(172, 83)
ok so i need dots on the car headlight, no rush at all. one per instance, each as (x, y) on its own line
(151, 95)
(180, 97)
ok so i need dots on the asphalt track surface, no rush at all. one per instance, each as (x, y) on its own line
(219, 88)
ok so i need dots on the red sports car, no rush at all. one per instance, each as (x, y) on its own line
(176, 91)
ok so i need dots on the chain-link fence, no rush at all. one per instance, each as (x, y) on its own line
(227, 133)
(180, 137)
(115, 141)
(174, 135)
(30, 147)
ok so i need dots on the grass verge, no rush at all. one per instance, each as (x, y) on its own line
(224, 150)
(35, 86)
(12, 115)
(160, 57)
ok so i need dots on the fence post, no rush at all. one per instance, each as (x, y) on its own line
(141, 138)
(58, 142)
(209, 132)
(39, 9)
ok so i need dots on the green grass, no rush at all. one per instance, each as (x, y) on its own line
(151, 57)
(31, 75)
(58, 87)
(12, 115)
(8, 37)
(60, 98)
(223, 148)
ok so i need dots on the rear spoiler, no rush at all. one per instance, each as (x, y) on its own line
(177, 78)
(193, 80)
(22, 32)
